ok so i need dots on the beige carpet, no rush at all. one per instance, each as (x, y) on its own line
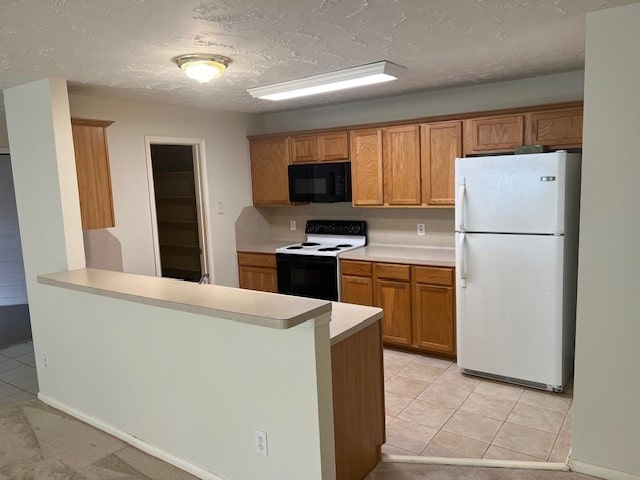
(409, 471)
(38, 442)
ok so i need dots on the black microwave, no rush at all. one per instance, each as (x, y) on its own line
(320, 182)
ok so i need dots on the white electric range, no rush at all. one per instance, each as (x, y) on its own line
(311, 268)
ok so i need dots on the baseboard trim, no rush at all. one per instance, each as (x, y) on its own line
(130, 439)
(601, 472)
(476, 462)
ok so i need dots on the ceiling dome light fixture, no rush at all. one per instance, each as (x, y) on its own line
(203, 67)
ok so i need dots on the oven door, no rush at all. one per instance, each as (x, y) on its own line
(308, 276)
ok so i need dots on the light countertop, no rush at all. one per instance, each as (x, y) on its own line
(347, 319)
(434, 256)
(264, 247)
(247, 306)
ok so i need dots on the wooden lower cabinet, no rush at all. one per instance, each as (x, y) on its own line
(358, 403)
(418, 302)
(433, 318)
(257, 271)
(394, 297)
(358, 290)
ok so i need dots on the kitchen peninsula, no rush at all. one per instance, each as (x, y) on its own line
(303, 355)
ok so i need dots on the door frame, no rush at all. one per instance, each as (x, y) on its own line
(202, 198)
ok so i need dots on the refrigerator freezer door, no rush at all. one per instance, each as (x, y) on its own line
(511, 193)
(509, 314)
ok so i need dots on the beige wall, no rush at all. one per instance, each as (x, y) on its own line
(531, 91)
(607, 390)
(227, 155)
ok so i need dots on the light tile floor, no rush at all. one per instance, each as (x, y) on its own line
(434, 410)
(18, 380)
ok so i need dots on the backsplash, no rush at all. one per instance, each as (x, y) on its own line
(395, 226)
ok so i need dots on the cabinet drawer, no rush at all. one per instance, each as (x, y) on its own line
(257, 259)
(393, 271)
(360, 269)
(433, 275)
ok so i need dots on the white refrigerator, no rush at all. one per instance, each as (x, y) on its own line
(516, 220)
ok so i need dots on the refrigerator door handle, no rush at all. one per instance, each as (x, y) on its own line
(460, 208)
(463, 259)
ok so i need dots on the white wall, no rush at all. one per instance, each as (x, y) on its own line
(227, 153)
(606, 429)
(561, 87)
(13, 290)
(193, 386)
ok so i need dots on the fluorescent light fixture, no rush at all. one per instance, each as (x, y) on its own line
(330, 82)
(203, 67)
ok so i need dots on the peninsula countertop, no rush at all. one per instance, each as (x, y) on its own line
(247, 306)
(434, 256)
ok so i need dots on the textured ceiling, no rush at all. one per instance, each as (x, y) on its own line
(123, 48)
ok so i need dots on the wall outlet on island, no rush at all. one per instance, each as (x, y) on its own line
(421, 230)
(260, 440)
(292, 224)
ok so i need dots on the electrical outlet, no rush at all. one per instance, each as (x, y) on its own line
(421, 230)
(220, 208)
(260, 440)
(45, 357)
(292, 224)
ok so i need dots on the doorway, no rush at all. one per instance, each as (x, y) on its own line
(15, 326)
(178, 208)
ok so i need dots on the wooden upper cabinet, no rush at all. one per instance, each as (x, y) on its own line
(495, 134)
(269, 177)
(366, 167)
(401, 158)
(93, 172)
(555, 128)
(304, 149)
(326, 147)
(441, 144)
(333, 146)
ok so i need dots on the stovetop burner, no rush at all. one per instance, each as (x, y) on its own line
(328, 238)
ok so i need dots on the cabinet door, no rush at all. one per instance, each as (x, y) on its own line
(258, 278)
(401, 147)
(333, 146)
(269, 177)
(441, 144)
(502, 133)
(304, 149)
(358, 290)
(556, 128)
(395, 299)
(366, 167)
(93, 173)
(434, 321)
